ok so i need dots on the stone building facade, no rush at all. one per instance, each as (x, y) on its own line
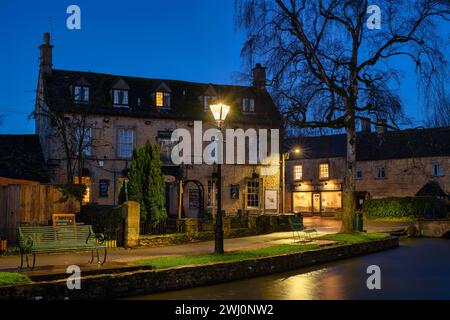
(389, 164)
(120, 113)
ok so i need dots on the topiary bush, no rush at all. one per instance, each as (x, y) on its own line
(407, 207)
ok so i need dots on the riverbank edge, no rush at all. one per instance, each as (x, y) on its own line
(144, 282)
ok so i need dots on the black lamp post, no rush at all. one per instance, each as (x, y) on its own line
(220, 112)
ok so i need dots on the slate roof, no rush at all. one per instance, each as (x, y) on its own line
(21, 158)
(373, 146)
(185, 97)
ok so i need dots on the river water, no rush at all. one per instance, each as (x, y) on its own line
(418, 269)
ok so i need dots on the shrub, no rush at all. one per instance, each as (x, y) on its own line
(407, 207)
(104, 219)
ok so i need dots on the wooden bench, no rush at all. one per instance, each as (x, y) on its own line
(44, 239)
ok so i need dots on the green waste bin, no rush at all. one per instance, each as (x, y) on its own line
(358, 224)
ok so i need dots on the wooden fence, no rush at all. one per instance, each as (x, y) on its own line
(30, 204)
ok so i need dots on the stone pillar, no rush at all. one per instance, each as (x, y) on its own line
(131, 212)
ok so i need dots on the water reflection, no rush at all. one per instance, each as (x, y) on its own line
(419, 269)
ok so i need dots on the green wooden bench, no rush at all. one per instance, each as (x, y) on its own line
(45, 239)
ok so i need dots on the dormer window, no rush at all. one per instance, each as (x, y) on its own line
(162, 99)
(248, 105)
(207, 101)
(81, 94)
(120, 97)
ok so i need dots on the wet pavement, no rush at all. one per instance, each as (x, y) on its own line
(117, 257)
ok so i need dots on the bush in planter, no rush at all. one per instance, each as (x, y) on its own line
(407, 207)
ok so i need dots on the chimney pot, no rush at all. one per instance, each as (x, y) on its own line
(46, 52)
(259, 77)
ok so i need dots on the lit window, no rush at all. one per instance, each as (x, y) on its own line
(162, 99)
(125, 143)
(86, 181)
(253, 194)
(248, 105)
(324, 172)
(298, 172)
(120, 97)
(437, 170)
(81, 94)
(84, 141)
(381, 173)
(358, 173)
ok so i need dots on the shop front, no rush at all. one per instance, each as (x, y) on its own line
(323, 198)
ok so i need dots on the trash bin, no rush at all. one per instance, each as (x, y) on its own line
(358, 224)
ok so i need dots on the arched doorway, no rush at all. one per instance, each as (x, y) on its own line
(196, 199)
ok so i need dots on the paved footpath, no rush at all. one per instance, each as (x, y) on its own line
(117, 257)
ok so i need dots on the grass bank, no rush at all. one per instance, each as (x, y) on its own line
(357, 237)
(11, 278)
(170, 262)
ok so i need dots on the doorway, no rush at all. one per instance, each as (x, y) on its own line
(316, 203)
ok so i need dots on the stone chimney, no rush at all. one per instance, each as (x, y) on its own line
(45, 58)
(259, 77)
(381, 126)
(365, 125)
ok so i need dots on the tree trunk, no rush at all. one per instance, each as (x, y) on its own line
(349, 183)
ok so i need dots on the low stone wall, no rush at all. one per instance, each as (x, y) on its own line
(233, 227)
(144, 282)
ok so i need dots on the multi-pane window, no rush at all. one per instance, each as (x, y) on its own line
(324, 171)
(165, 146)
(86, 181)
(212, 194)
(125, 143)
(437, 170)
(207, 100)
(253, 194)
(120, 97)
(162, 99)
(248, 105)
(298, 172)
(84, 141)
(380, 172)
(358, 173)
(81, 94)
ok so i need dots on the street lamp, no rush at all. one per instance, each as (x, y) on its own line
(220, 112)
(284, 157)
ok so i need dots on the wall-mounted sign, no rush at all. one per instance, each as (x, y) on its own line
(103, 188)
(271, 200)
(63, 219)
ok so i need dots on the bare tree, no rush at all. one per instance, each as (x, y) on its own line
(72, 134)
(331, 65)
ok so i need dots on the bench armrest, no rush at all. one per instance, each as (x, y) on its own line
(100, 237)
(26, 243)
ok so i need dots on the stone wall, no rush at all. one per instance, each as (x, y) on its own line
(144, 282)
(433, 228)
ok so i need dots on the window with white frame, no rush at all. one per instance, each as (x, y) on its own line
(298, 172)
(162, 99)
(83, 141)
(324, 171)
(207, 101)
(437, 170)
(380, 172)
(253, 194)
(81, 94)
(248, 105)
(212, 194)
(120, 97)
(125, 143)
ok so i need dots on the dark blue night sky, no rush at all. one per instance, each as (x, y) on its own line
(193, 40)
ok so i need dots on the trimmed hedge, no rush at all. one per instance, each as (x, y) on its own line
(407, 207)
